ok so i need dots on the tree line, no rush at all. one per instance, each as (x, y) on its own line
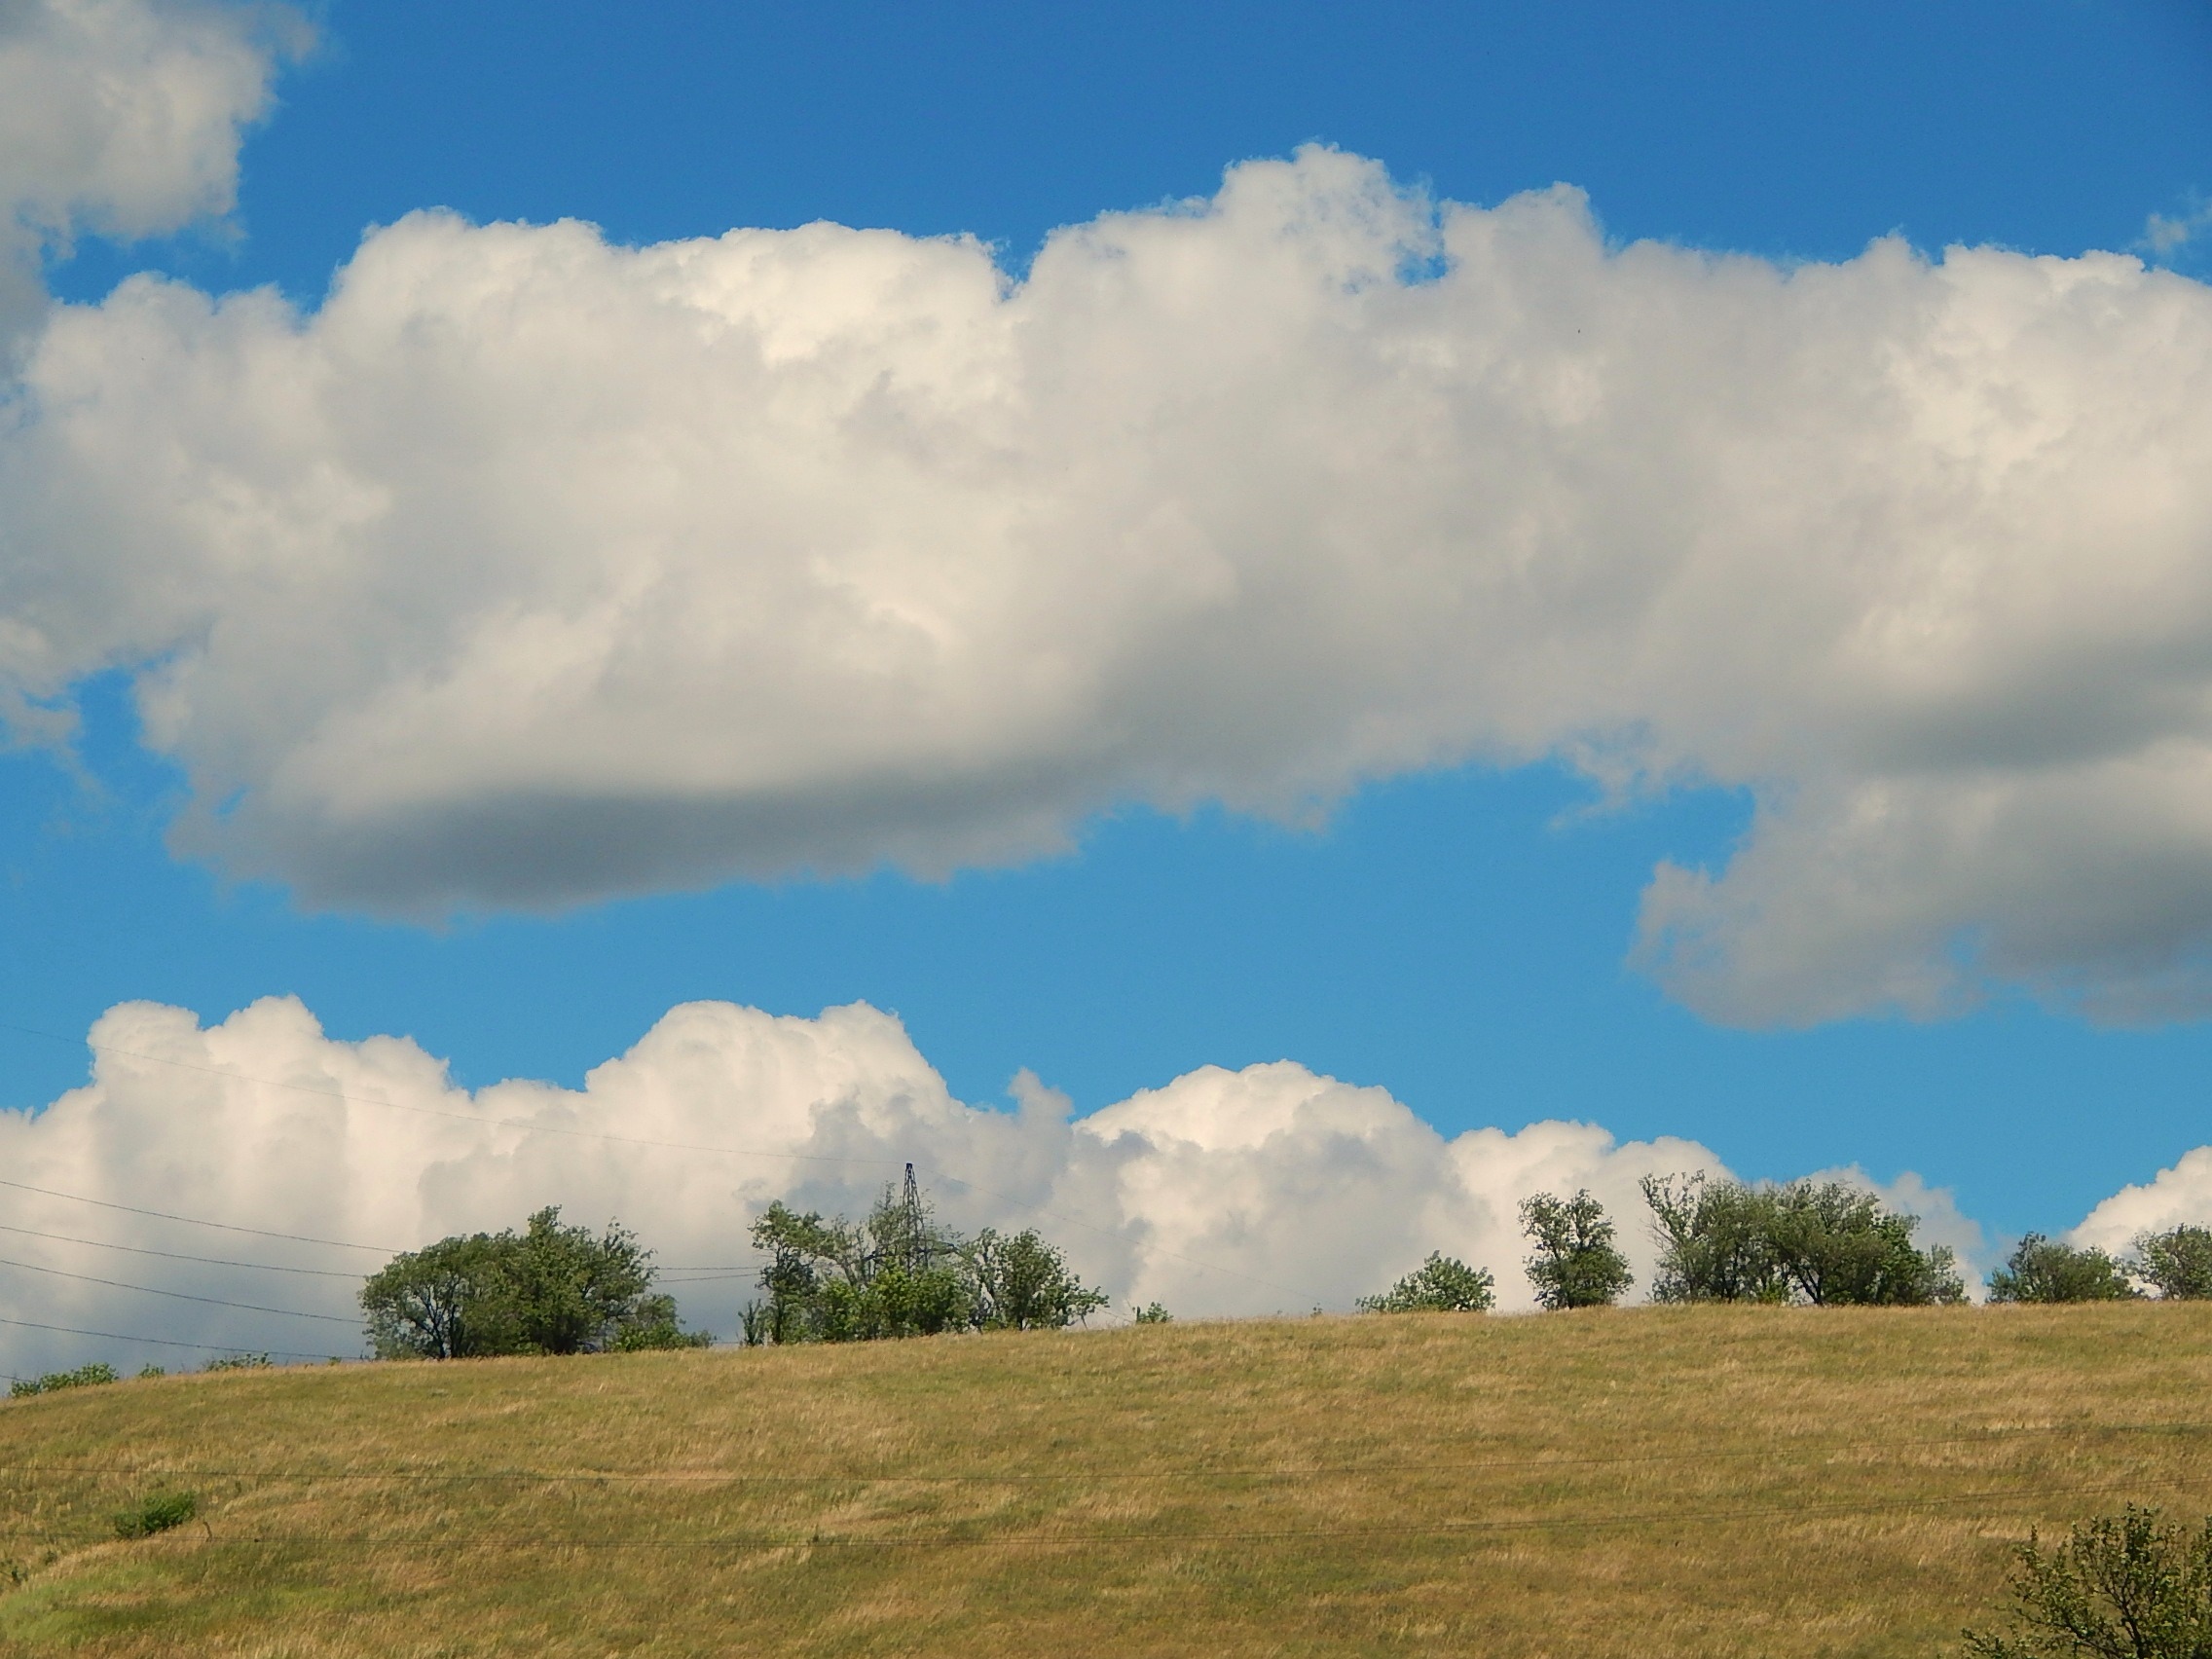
(555, 1288)
(561, 1289)
(1817, 1243)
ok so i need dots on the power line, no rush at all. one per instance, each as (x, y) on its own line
(162, 1342)
(181, 1256)
(195, 1221)
(179, 1295)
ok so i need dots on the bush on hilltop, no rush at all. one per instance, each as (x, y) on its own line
(2043, 1269)
(1442, 1284)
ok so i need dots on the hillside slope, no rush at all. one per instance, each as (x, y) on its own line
(1645, 1482)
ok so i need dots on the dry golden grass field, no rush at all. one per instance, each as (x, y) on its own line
(1645, 1482)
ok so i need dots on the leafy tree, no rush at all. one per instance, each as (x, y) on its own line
(550, 1289)
(1441, 1284)
(2043, 1269)
(900, 1273)
(1839, 1245)
(2177, 1261)
(1153, 1313)
(1575, 1264)
(576, 1294)
(446, 1301)
(1820, 1242)
(1023, 1284)
(2129, 1585)
(1714, 1241)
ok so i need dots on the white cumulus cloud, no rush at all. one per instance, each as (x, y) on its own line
(2174, 1197)
(1221, 1193)
(529, 569)
(123, 118)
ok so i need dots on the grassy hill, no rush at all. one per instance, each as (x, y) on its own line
(1647, 1482)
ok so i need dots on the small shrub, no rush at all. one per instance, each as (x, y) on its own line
(2043, 1269)
(157, 1514)
(84, 1377)
(2177, 1261)
(2126, 1586)
(1442, 1284)
(240, 1362)
(1152, 1313)
(146, 1370)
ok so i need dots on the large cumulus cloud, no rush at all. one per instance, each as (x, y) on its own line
(1221, 1193)
(528, 568)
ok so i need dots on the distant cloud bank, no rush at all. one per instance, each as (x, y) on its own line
(529, 570)
(1269, 1189)
(1265, 1189)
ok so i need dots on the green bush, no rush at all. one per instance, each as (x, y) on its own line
(2043, 1269)
(1152, 1313)
(2126, 1586)
(240, 1362)
(84, 1377)
(2177, 1261)
(157, 1514)
(1441, 1284)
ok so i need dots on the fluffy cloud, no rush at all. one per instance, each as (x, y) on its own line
(1224, 1192)
(529, 569)
(121, 118)
(2169, 1198)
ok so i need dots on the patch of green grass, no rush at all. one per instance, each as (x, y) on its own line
(156, 1514)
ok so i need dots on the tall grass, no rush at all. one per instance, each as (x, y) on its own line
(1643, 1482)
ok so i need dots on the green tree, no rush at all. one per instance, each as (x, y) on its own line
(1715, 1241)
(550, 1289)
(446, 1301)
(1574, 1263)
(1839, 1245)
(1023, 1284)
(2129, 1585)
(2043, 1269)
(1442, 1284)
(2177, 1261)
(900, 1273)
(1820, 1243)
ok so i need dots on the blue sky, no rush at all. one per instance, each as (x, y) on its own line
(1460, 933)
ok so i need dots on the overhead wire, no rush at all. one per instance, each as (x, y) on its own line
(195, 1221)
(161, 1342)
(179, 1295)
(183, 1256)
